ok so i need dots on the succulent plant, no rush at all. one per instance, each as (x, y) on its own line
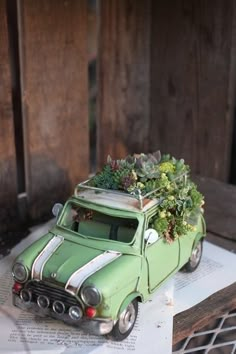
(128, 181)
(167, 167)
(180, 201)
(104, 179)
(130, 162)
(147, 167)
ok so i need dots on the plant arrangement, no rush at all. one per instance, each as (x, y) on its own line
(179, 200)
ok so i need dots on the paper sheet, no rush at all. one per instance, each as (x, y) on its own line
(22, 332)
(215, 272)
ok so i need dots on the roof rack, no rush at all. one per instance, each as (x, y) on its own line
(136, 194)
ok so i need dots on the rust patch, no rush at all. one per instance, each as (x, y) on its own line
(136, 202)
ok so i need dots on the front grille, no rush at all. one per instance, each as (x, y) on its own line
(53, 293)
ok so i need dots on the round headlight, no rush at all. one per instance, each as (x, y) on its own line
(20, 272)
(91, 296)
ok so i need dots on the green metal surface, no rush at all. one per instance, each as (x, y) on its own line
(136, 273)
(28, 256)
(67, 259)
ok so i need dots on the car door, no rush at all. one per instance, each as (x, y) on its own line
(162, 259)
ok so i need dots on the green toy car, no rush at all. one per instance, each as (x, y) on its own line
(106, 253)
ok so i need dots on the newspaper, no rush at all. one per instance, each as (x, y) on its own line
(216, 271)
(22, 332)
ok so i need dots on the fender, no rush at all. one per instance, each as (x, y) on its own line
(128, 300)
(203, 225)
(200, 235)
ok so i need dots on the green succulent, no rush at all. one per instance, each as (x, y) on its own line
(180, 201)
(147, 166)
(167, 167)
(104, 179)
(147, 170)
(160, 225)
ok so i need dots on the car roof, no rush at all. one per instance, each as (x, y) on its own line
(116, 200)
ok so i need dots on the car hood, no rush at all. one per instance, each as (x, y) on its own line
(70, 265)
(66, 258)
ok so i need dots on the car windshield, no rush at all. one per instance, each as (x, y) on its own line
(94, 224)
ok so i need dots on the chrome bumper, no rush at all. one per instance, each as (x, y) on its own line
(97, 326)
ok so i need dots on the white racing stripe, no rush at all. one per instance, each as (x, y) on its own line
(78, 277)
(39, 262)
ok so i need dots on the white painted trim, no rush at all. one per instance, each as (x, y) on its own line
(43, 257)
(79, 276)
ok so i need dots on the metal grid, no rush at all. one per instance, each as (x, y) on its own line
(137, 194)
(218, 337)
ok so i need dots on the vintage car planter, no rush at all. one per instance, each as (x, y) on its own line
(107, 252)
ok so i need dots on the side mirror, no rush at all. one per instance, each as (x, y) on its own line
(151, 236)
(56, 210)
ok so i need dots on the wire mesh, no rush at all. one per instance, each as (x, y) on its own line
(218, 337)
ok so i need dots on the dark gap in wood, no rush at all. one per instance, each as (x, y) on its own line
(16, 92)
(233, 153)
(92, 113)
(221, 236)
(92, 80)
(220, 242)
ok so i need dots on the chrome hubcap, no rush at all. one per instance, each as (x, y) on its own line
(196, 255)
(127, 318)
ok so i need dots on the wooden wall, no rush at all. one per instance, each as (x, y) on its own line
(43, 54)
(53, 57)
(166, 80)
(191, 109)
(123, 78)
(8, 187)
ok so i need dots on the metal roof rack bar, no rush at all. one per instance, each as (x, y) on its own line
(83, 185)
(137, 194)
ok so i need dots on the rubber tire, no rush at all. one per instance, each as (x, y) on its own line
(115, 334)
(189, 267)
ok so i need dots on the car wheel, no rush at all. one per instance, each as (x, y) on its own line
(195, 258)
(125, 322)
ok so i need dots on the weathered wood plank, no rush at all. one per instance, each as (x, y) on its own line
(226, 243)
(8, 186)
(123, 78)
(220, 210)
(186, 322)
(191, 112)
(200, 315)
(53, 53)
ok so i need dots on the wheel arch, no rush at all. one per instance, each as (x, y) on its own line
(129, 299)
(199, 237)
